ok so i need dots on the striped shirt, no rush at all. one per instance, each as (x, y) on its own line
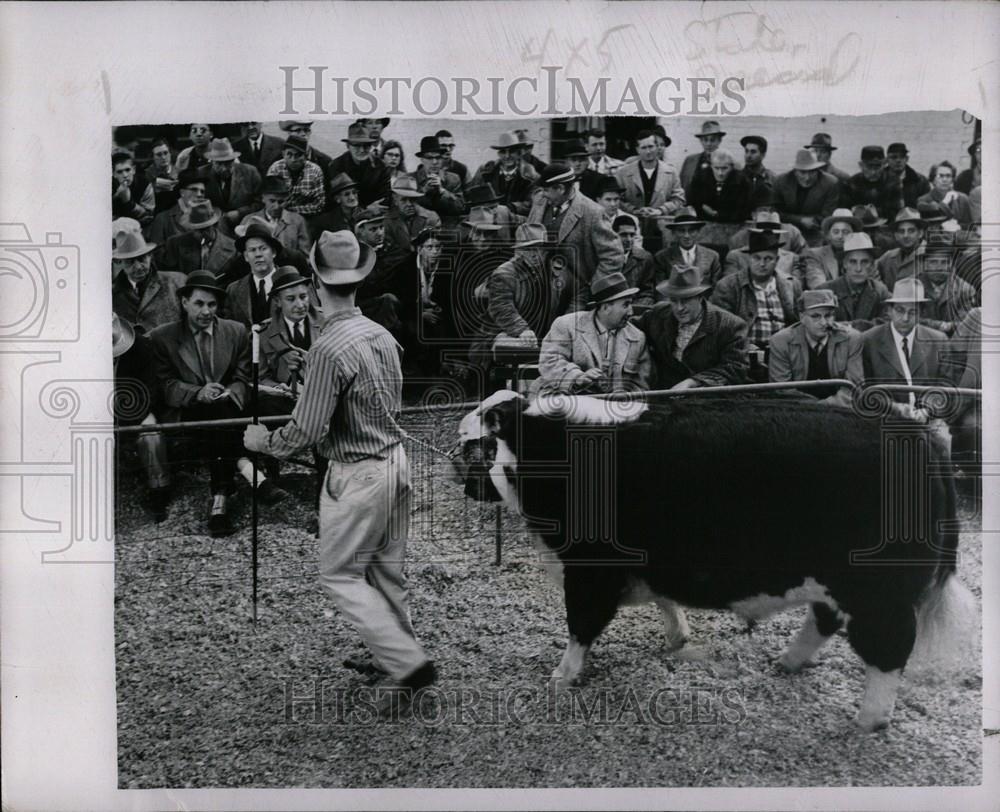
(353, 386)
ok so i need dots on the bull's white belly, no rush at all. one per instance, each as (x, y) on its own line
(763, 605)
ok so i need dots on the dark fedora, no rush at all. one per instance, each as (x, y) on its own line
(202, 279)
(658, 130)
(357, 133)
(342, 182)
(297, 143)
(189, 177)
(429, 145)
(608, 183)
(200, 215)
(897, 148)
(710, 128)
(556, 173)
(763, 240)
(287, 277)
(609, 287)
(683, 283)
(256, 228)
(873, 154)
(684, 217)
(823, 141)
(576, 149)
(274, 185)
(759, 140)
(481, 194)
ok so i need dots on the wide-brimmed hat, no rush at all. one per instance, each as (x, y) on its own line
(868, 215)
(529, 234)
(481, 194)
(812, 299)
(840, 216)
(683, 282)
(506, 141)
(608, 288)
(556, 173)
(576, 149)
(658, 130)
(822, 140)
(858, 241)
(122, 336)
(363, 217)
(221, 150)
(405, 186)
(357, 133)
(188, 177)
(625, 219)
(287, 125)
(933, 213)
(339, 258)
(275, 185)
(763, 239)
(909, 290)
(768, 221)
(201, 215)
(206, 280)
(131, 244)
(759, 140)
(287, 276)
(429, 144)
(480, 221)
(709, 128)
(297, 143)
(257, 228)
(342, 182)
(908, 215)
(684, 217)
(805, 161)
(873, 154)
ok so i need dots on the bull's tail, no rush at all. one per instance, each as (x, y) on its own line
(947, 630)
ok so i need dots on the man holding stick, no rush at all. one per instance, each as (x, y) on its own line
(353, 385)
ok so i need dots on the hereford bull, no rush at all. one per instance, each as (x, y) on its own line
(747, 505)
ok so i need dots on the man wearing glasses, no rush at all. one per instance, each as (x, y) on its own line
(447, 143)
(303, 129)
(509, 177)
(358, 163)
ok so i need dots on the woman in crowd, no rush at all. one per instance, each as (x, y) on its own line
(394, 158)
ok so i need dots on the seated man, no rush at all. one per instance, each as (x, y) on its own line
(609, 196)
(380, 294)
(949, 297)
(685, 249)
(425, 305)
(140, 295)
(805, 195)
(693, 343)
(511, 177)
(404, 221)
(638, 268)
(598, 350)
(485, 205)
(818, 348)
(136, 401)
(441, 190)
(289, 333)
(238, 267)
(759, 296)
(763, 206)
(233, 187)
(286, 226)
(203, 366)
(789, 265)
(201, 247)
(723, 196)
(822, 263)
(305, 180)
(248, 298)
(169, 223)
(860, 297)
(132, 193)
(903, 261)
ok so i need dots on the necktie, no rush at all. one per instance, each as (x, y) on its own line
(253, 152)
(298, 339)
(205, 352)
(906, 350)
(260, 303)
(205, 248)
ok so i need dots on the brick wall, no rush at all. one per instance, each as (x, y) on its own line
(931, 136)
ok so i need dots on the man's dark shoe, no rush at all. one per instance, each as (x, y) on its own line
(269, 493)
(365, 664)
(219, 523)
(158, 500)
(394, 700)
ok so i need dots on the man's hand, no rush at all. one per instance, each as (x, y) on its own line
(295, 358)
(808, 222)
(710, 211)
(952, 195)
(529, 338)
(255, 437)
(432, 315)
(433, 184)
(920, 415)
(592, 379)
(232, 217)
(210, 392)
(122, 193)
(687, 383)
(648, 211)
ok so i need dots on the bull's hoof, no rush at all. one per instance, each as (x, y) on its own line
(561, 682)
(674, 646)
(871, 724)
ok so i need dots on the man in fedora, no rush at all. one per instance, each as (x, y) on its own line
(306, 184)
(757, 175)
(425, 305)
(818, 348)
(903, 351)
(949, 297)
(870, 186)
(248, 298)
(822, 148)
(375, 127)
(721, 196)
(762, 203)
(805, 195)
(293, 327)
(257, 148)
(447, 143)
(578, 157)
(650, 189)
(380, 295)
(576, 227)
(710, 136)
(442, 190)
(140, 295)
(789, 265)
(137, 399)
(693, 343)
(860, 298)
(874, 225)
(167, 224)
(759, 296)
(685, 250)
(358, 163)
(508, 175)
(600, 161)
(527, 147)
(203, 366)
(597, 350)
(233, 187)
(482, 200)
(353, 389)
(201, 246)
(288, 227)
(904, 260)
(822, 263)
(405, 219)
(609, 197)
(342, 195)
(303, 130)
(907, 184)
(638, 269)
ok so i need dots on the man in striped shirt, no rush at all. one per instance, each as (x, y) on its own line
(353, 386)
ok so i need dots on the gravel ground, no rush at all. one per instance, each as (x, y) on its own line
(207, 699)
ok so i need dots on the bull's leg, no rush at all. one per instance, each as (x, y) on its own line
(591, 603)
(884, 637)
(674, 623)
(821, 624)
